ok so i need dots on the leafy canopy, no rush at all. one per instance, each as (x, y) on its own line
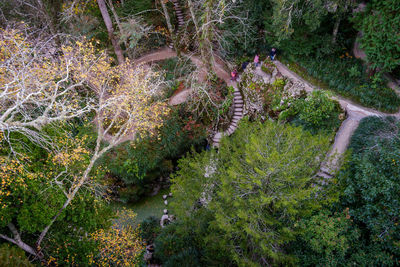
(256, 187)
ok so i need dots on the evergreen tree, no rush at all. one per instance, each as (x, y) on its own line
(256, 187)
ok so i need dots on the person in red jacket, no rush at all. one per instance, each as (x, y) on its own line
(234, 75)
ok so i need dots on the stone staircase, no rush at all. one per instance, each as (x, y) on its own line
(237, 116)
(179, 16)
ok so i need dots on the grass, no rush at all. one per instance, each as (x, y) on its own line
(146, 207)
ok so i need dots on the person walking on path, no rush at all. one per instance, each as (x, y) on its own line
(244, 65)
(272, 54)
(257, 60)
(234, 75)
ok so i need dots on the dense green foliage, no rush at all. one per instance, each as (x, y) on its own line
(13, 256)
(34, 199)
(362, 228)
(326, 240)
(316, 112)
(345, 76)
(380, 37)
(238, 189)
(371, 185)
(137, 164)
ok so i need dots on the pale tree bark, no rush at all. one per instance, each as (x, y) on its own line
(199, 36)
(115, 15)
(170, 28)
(335, 30)
(110, 30)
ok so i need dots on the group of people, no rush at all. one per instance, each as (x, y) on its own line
(235, 74)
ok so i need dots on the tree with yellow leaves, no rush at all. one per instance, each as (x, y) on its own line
(38, 89)
(121, 245)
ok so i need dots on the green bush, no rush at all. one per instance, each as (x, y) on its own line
(188, 257)
(13, 256)
(326, 239)
(169, 243)
(318, 111)
(150, 228)
(371, 188)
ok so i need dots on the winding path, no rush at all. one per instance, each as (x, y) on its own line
(354, 111)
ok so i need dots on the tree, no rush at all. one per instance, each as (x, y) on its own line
(169, 25)
(209, 18)
(290, 15)
(120, 245)
(327, 240)
(39, 90)
(110, 30)
(371, 185)
(379, 24)
(256, 188)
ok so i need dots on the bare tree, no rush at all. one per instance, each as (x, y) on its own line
(208, 18)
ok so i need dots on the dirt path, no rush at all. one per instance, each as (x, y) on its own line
(166, 53)
(355, 114)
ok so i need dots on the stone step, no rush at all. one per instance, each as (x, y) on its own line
(324, 176)
(235, 121)
(237, 93)
(238, 110)
(326, 170)
(229, 131)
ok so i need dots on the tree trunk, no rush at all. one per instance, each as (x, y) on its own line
(200, 38)
(207, 36)
(110, 30)
(171, 30)
(335, 30)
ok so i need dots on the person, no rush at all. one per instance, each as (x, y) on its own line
(272, 54)
(234, 75)
(244, 65)
(257, 60)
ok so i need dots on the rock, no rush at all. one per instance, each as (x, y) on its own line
(164, 220)
(165, 211)
(166, 202)
(170, 194)
(164, 197)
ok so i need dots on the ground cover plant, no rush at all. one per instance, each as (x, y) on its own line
(348, 79)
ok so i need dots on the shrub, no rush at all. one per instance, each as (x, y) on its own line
(169, 243)
(326, 239)
(13, 256)
(318, 111)
(150, 228)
